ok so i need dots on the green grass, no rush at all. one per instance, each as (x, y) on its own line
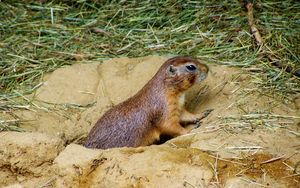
(37, 38)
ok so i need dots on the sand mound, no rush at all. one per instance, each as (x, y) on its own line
(245, 125)
(27, 156)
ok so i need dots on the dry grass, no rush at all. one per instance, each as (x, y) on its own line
(38, 37)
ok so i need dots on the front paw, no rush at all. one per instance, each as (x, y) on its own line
(197, 123)
(204, 114)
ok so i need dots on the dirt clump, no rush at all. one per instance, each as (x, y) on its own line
(131, 167)
(27, 155)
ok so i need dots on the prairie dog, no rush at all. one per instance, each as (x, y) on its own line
(158, 108)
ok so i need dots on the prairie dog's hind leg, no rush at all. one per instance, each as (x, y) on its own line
(150, 138)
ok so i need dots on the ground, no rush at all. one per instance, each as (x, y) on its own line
(250, 139)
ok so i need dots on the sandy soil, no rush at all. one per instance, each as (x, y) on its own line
(249, 140)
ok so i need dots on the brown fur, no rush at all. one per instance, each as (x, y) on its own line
(154, 110)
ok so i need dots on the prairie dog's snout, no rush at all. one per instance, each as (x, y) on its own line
(203, 71)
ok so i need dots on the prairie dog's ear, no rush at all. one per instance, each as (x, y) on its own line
(171, 70)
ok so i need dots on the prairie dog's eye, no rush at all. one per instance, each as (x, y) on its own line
(191, 67)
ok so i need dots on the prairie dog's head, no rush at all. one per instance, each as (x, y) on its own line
(184, 72)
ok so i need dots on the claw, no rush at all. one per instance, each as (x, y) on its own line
(204, 115)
